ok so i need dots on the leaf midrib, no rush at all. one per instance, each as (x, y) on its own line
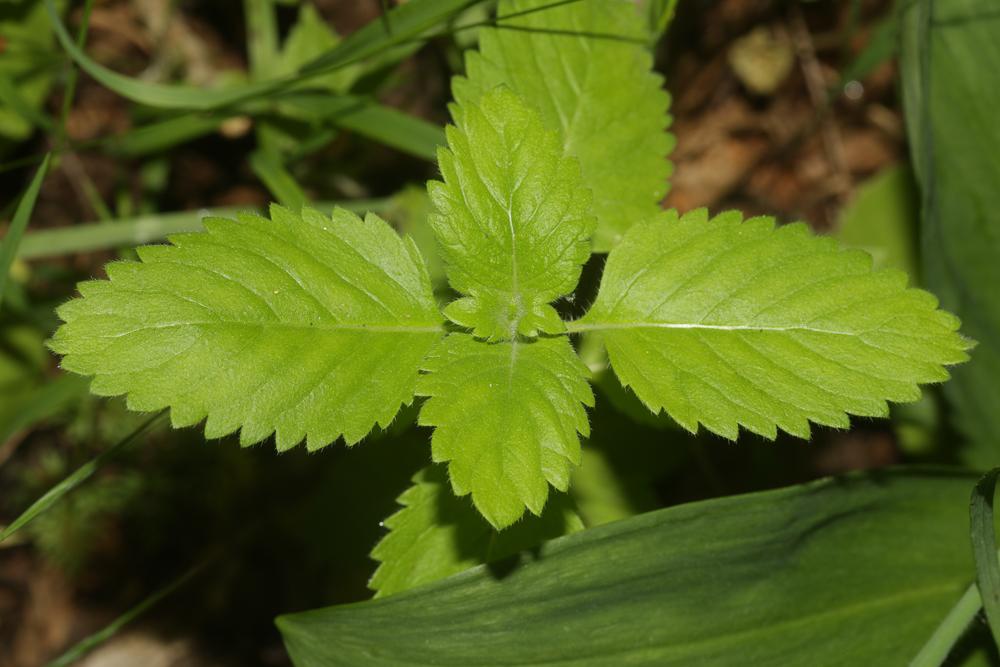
(581, 326)
(417, 327)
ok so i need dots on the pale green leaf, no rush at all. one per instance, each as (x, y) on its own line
(847, 571)
(730, 323)
(437, 534)
(586, 68)
(309, 326)
(511, 218)
(507, 417)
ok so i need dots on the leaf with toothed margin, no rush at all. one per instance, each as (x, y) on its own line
(436, 534)
(307, 326)
(506, 418)
(732, 323)
(586, 67)
(511, 217)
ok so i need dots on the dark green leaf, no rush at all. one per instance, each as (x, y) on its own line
(951, 88)
(984, 549)
(852, 571)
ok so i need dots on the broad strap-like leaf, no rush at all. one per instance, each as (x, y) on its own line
(951, 93)
(730, 323)
(586, 67)
(437, 534)
(512, 218)
(307, 326)
(856, 570)
(507, 417)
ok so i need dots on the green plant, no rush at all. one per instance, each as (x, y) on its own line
(312, 327)
(315, 327)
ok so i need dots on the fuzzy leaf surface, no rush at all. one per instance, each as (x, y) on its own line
(586, 68)
(437, 534)
(507, 417)
(730, 323)
(307, 326)
(511, 217)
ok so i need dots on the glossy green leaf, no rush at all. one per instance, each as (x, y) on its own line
(586, 68)
(309, 326)
(951, 93)
(512, 218)
(852, 571)
(506, 418)
(731, 323)
(437, 534)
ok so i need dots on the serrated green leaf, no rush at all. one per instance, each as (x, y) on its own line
(511, 218)
(310, 327)
(730, 323)
(848, 571)
(437, 534)
(586, 68)
(507, 417)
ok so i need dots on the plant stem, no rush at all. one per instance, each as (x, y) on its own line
(954, 625)
(145, 229)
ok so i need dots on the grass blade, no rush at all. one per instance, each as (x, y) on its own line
(408, 22)
(53, 495)
(12, 239)
(984, 549)
(164, 134)
(379, 123)
(164, 96)
(936, 650)
(272, 173)
(143, 229)
(89, 643)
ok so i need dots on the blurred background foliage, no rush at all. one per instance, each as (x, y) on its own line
(172, 107)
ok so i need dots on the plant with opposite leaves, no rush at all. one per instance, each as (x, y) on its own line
(313, 327)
